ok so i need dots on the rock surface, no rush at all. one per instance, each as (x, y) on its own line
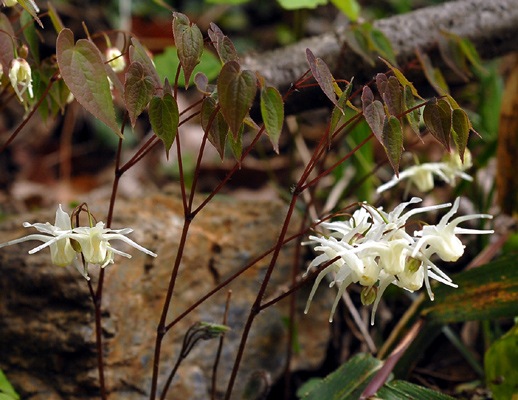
(47, 342)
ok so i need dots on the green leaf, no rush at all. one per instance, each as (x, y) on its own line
(6, 389)
(486, 292)
(189, 43)
(164, 118)
(213, 120)
(454, 58)
(31, 7)
(393, 141)
(236, 144)
(433, 75)
(138, 90)
(236, 92)
(413, 117)
(137, 52)
(437, 118)
(54, 18)
(500, 366)
(347, 382)
(298, 4)
(322, 75)
(460, 130)
(382, 45)
(338, 110)
(401, 390)
(82, 68)
(272, 112)
(350, 8)
(358, 43)
(471, 53)
(373, 113)
(31, 36)
(223, 45)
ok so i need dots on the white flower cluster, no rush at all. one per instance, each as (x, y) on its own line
(373, 249)
(421, 175)
(20, 76)
(66, 243)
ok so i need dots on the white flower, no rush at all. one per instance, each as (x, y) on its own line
(10, 3)
(422, 175)
(373, 249)
(115, 59)
(441, 240)
(94, 242)
(96, 247)
(56, 237)
(20, 77)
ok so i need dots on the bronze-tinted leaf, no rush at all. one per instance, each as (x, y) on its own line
(189, 44)
(236, 92)
(82, 68)
(322, 75)
(138, 90)
(437, 118)
(223, 45)
(393, 96)
(393, 141)
(401, 78)
(413, 117)
(373, 113)
(164, 118)
(6, 43)
(137, 52)
(213, 121)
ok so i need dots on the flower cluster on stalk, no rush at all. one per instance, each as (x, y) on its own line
(66, 243)
(374, 249)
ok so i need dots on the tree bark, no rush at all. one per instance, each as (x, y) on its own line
(492, 26)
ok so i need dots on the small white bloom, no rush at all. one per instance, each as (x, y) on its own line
(441, 240)
(10, 3)
(20, 77)
(115, 59)
(422, 175)
(96, 247)
(56, 237)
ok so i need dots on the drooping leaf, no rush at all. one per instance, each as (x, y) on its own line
(272, 112)
(381, 83)
(31, 7)
(31, 36)
(437, 118)
(382, 45)
(202, 83)
(484, 293)
(454, 58)
(402, 390)
(299, 4)
(373, 113)
(236, 91)
(460, 130)
(213, 120)
(7, 389)
(347, 382)
(350, 8)
(471, 53)
(138, 90)
(189, 43)
(393, 141)
(164, 118)
(6, 43)
(54, 18)
(433, 75)
(413, 117)
(356, 40)
(82, 68)
(223, 45)
(137, 52)
(236, 145)
(393, 96)
(401, 78)
(338, 110)
(322, 75)
(500, 366)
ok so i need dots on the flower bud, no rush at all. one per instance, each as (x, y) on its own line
(115, 59)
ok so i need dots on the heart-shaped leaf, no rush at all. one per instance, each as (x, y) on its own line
(223, 45)
(272, 111)
(393, 96)
(236, 92)
(138, 90)
(137, 52)
(164, 118)
(322, 75)
(401, 78)
(393, 142)
(460, 130)
(82, 68)
(189, 44)
(213, 121)
(438, 120)
(373, 112)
